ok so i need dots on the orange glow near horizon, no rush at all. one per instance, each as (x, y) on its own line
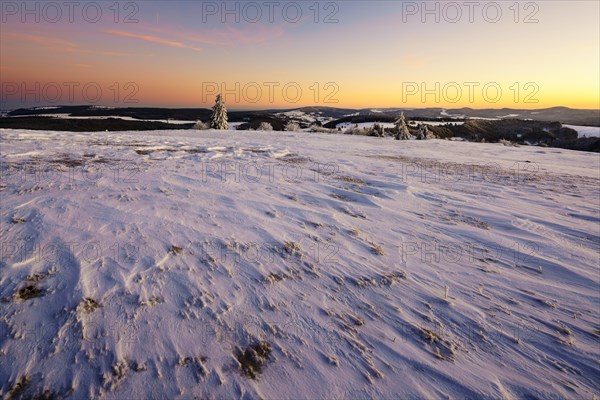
(170, 58)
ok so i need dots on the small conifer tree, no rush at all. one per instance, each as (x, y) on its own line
(218, 119)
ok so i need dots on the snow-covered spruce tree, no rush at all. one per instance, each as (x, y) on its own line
(377, 130)
(199, 125)
(265, 126)
(424, 133)
(402, 132)
(218, 119)
(292, 127)
(372, 130)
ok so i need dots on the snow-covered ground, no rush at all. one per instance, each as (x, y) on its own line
(346, 125)
(308, 118)
(589, 131)
(181, 264)
(445, 114)
(436, 123)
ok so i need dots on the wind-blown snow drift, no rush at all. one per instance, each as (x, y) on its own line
(290, 265)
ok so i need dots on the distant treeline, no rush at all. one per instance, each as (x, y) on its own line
(85, 124)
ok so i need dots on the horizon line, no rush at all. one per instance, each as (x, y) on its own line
(292, 108)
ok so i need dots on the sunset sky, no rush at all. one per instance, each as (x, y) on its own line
(350, 54)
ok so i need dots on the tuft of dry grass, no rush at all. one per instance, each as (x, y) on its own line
(273, 278)
(175, 249)
(253, 359)
(68, 162)
(356, 321)
(377, 249)
(564, 330)
(429, 335)
(29, 292)
(118, 373)
(36, 277)
(89, 305)
(292, 249)
(332, 360)
(350, 179)
(294, 159)
(196, 363)
(152, 301)
(390, 278)
(354, 232)
(183, 361)
(19, 387)
(442, 348)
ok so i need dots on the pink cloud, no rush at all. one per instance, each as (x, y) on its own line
(154, 39)
(55, 44)
(43, 40)
(227, 36)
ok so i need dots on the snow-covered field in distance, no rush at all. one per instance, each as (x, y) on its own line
(589, 131)
(310, 118)
(346, 125)
(184, 263)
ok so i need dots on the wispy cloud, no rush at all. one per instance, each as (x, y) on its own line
(55, 44)
(225, 36)
(154, 39)
(42, 40)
